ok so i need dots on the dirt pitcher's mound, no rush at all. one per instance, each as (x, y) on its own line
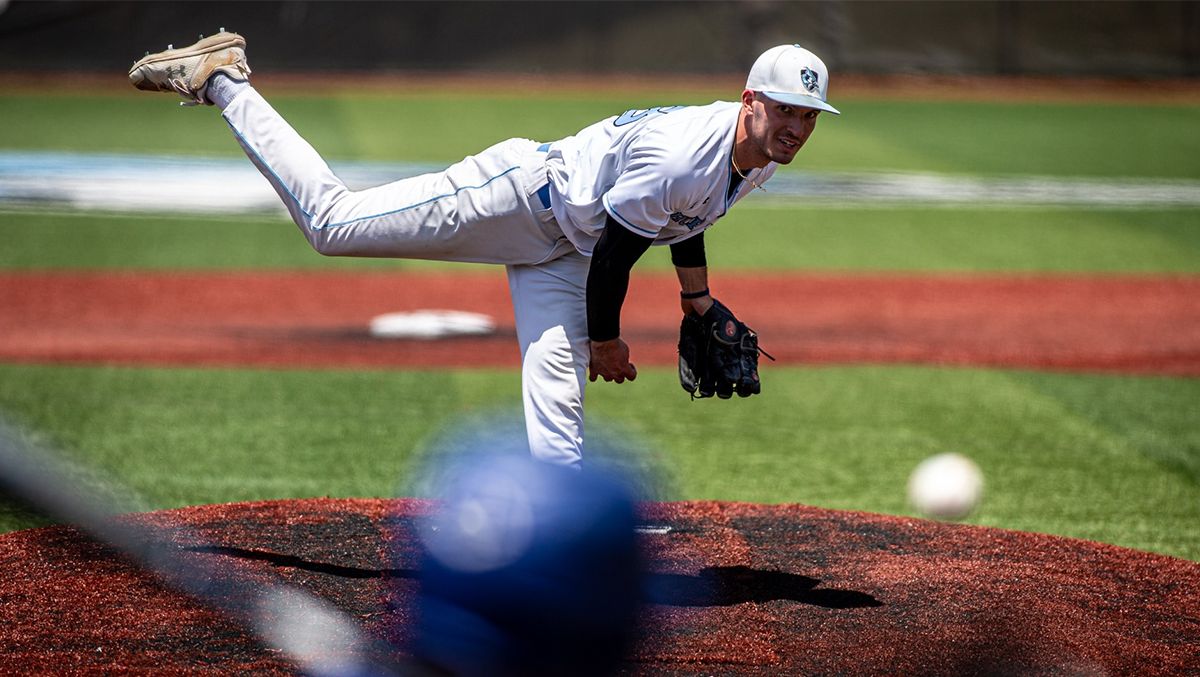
(734, 589)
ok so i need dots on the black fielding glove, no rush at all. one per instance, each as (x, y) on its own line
(718, 355)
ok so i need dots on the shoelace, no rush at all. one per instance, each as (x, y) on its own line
(178, 86)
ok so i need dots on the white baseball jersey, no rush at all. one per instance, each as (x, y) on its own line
(660, 172)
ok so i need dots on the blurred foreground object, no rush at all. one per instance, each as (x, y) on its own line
(528, 568)
(946, 486)
(317, 638)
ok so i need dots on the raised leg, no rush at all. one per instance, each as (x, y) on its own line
(477, 210)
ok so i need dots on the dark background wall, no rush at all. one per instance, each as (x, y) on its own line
(1115, 38)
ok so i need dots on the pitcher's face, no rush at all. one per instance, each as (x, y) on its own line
(776, 131)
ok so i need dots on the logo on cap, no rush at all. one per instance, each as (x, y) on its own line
(809, 79)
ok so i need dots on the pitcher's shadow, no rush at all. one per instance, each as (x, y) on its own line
(726, 586)
(714, 586)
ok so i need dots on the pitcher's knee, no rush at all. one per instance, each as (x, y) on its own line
(322, 243)
(327, 229)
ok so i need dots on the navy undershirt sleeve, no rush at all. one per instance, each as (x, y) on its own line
(608, 278)
(689, 253)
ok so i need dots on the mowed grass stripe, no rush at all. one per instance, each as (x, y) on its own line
(751, 238)
(1069, 139)
(1109, 458)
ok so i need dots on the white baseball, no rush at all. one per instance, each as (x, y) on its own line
(946, 486)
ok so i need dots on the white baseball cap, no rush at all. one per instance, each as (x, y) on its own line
(793, 75)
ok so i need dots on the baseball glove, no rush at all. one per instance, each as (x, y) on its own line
(718, 355)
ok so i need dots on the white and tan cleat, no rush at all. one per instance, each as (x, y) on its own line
(186, 70)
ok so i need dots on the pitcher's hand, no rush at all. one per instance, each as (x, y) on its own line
(610, 361)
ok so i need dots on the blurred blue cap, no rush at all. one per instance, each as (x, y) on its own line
(528, 568)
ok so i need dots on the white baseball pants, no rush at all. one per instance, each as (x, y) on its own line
(484, 209)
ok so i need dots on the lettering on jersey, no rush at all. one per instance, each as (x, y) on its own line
(634, 115)
(689, 222)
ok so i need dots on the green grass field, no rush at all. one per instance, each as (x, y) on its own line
(965, 138)
(1110, 458)
(1101, 457)
(913, 239)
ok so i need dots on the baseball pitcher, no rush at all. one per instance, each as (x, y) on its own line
(568, 218)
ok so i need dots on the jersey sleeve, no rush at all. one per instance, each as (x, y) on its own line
(653, 186)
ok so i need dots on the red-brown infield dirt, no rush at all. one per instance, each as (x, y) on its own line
(736, 588)
(1130, 324)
